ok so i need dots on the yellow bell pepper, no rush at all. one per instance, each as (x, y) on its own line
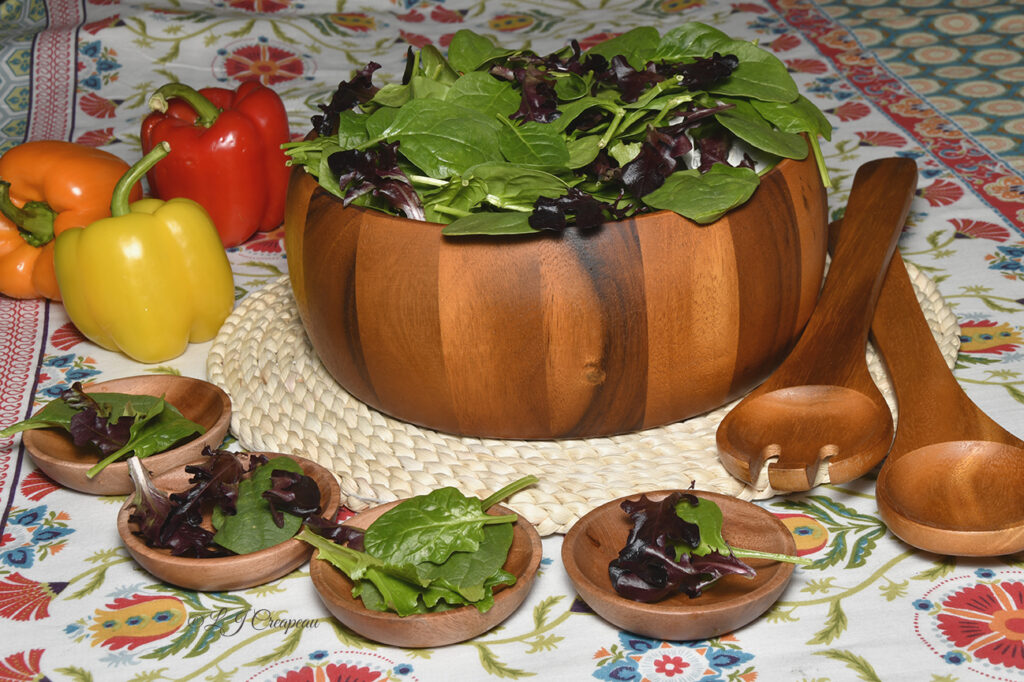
(149, 279)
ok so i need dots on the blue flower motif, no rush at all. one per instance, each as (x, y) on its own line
(20, 557)
(80, 374)
(103, 65)
(48, 533)
(954, 658)
(73, 629)
(93, 82)
(1009, 266)
(92, 49)
(985, 573)
(1012, 251)
(59, 360)
(30, 517)
(318, 655)
(727, 658)
(52, 392)
(402, 669)
(923, 604)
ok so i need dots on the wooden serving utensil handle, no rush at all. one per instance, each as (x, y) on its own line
(933, 407)
(878, 206)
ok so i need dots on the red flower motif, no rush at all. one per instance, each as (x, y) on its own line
(784, 42)
(851, 111)
(37, 485)
(443, 15)
(445, 40)
(266, 245)
(67, 336)
(24, 599)
(596, 39)
(349, 673)
(749, 7)
(98, 107)
(877, 138)
(979, 229)
(414, 17)
(942, 193)
(815, 66)
(266, 63)
(988, 622)
(414, 39)
(96, 138)
(22, 666)
(95, 27)
(342, 672)
(670, 666)
(260, 5)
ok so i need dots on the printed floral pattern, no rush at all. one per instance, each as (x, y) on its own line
(977, 622)
(140, 619)
(31, 535)
(350, 666)
(24, 599)
(647, 660)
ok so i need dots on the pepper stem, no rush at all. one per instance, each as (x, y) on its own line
(34, 220)
(206, 111)
(122, 190)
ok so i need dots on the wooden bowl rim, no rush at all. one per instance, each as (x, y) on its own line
(72, 474)
(286, 551)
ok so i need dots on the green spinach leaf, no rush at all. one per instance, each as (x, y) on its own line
(704, 198)
(252, 528)
(429, 528)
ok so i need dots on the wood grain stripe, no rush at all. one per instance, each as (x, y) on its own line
(615, 269)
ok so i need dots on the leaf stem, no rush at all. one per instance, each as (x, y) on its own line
(508, 491)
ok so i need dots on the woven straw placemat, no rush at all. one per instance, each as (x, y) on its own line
(283, 400)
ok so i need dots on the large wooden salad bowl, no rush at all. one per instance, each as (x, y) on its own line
(640, 323)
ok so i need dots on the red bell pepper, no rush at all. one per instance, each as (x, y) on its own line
(226, 154)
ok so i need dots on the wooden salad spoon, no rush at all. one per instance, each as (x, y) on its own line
(821, 403)
(954, 480)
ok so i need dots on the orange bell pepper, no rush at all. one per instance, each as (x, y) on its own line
(46, 187)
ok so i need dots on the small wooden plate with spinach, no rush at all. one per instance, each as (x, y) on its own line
(237, 571)
(439, 628)
(167, 440)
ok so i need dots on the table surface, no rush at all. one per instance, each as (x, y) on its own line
(939, 81)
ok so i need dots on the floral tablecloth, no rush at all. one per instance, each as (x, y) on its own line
(938, 81)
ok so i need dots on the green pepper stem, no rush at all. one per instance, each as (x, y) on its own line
(122, 190)
(34, 220)
(206, 111)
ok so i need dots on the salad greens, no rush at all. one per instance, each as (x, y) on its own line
(255, 503)
(116, 424)
(497, 141)
(676, 545)
(428, 553)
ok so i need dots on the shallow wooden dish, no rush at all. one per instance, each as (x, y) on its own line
(432, 629)
(637, 324)
(56, 455)
(232, 572)
(728, 604)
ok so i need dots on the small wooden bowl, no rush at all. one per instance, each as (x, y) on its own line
(56, 455)
(728, 604)
(431, 629)
(231, 572)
